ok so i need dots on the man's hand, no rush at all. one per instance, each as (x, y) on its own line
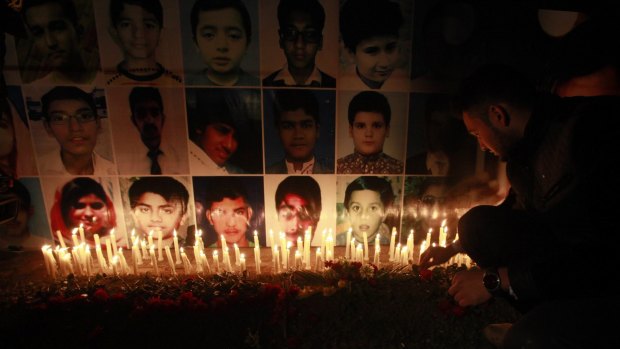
(467, 288)
(435, 256)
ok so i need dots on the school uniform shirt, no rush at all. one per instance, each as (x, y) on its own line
(137, 162)
(377, 163)
(283, 77)
(201, 164)
(51, 164)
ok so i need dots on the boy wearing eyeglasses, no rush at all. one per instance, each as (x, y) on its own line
(300, 30)
(70, 117)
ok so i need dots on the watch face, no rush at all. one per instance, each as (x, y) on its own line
(491, 281)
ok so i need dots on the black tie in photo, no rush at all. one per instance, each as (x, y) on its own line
(153, 154)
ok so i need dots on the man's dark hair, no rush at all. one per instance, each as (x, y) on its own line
(364, 19)
(66, 93)
(68, 8)
(304, 186)
(222, 187)
(370, 101)
(294, 99)
(310, 7)
(151, 6)
(377, 184)
(493, 83)
(212, 5)
(169, 188)
(145, 94)
(76, 189)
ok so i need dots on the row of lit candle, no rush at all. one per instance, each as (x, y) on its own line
(78, 259)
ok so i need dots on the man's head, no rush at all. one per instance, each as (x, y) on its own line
(369, 122)
(85, 202)
(495, 102)
(227, 209)
(298, 201)
(158, 203)
(370, 32)
(367, 200)
(70, 117)
(53, 24)
(136, 26)
(222, 31)
(296, 117)
(147, 114)
(220, 122)
(301, 31)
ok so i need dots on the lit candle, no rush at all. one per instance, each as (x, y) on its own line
(226, 258)
(257, 260)
(177, 255)
(365, 239)
(144, 250)
(216, 261)
(242, 262)
(359, 253)
(81, 230)
(297, 259)
(319, 259)
(347, 250)
(108, 247)
(205, 261)
(300, 244)
(46, 259)
(154, 260)
(307, 242)
(61, 239)
(113, 240)
(392, 244)
(197, 257)
(428, 237)
(271, 241)
(170, 261)
(74, 237)
(377, 259)
(276, 260)
(114, 264)
(256, 243)
(160, 249)
(397, 253)
(410, 245)
(237, 256)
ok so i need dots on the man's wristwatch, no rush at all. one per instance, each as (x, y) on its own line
(492, 281)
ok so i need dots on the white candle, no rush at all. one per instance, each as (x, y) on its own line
(392, 244)
(145, 252)
(81, 230)
(205, 261)
(177, 255)
(256, 243)
(428, 237)
(359, 253)
(307, 242)
(237, 255)
(410, 244)
(365, 239)
(297, 259)
(154, 260)
(108, 247)
(276, 260)
(74, 237)
(46, 259)
(397, 253)
(377, 258)
(160, 248)
(347, 250)
(257, 260)
(319, 259)
(216, 261)
(113, 240)
(242, 262)
(61, 239)
(170, 261)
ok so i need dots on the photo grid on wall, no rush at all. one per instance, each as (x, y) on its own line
(175, 119)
